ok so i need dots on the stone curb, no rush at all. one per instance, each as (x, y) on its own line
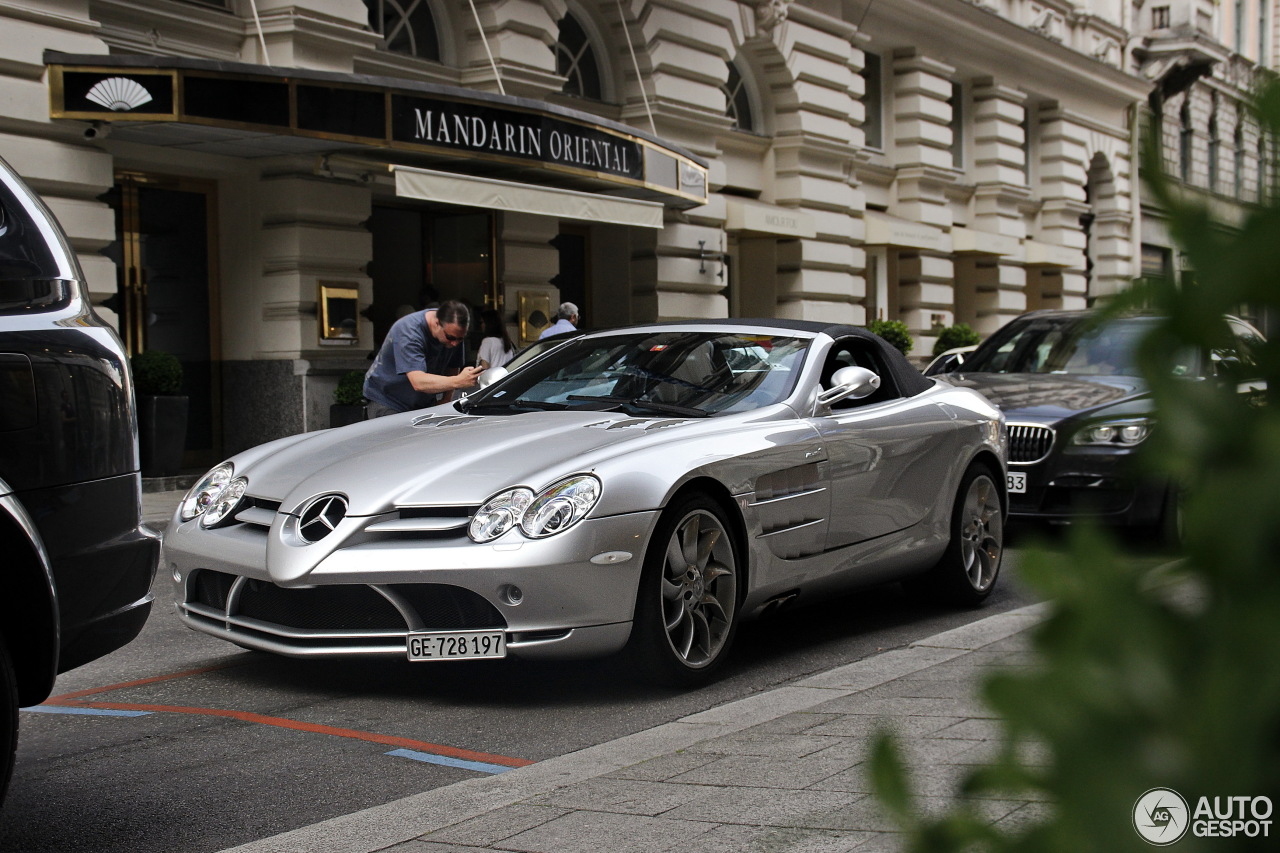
(399, 821)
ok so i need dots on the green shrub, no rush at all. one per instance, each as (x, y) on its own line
(1142, 679)
(959, 335)
(350, 390)
(156, 373)
(895, 332)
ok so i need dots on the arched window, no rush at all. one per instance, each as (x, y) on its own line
(1215, 145)
(576, 61)
(738, 100)
(1237, 177)
(406, 26)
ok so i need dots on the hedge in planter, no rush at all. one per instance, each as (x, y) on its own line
(162, 412)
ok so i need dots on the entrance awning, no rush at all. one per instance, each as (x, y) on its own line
(451, 188)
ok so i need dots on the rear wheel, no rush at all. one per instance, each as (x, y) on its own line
(687, 606)
(8, 718)
(967, 572)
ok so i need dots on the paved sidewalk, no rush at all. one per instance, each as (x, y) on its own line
(782, 770)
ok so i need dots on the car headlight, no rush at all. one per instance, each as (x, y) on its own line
(560, 507)
(206, 491)
(553, 510)
(499, 514)
(1119, 433)
(223, 505)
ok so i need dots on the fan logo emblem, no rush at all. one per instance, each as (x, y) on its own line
(321, 517)
(1161, 816)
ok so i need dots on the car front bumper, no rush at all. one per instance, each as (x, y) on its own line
(1087, 483)
(567, 596)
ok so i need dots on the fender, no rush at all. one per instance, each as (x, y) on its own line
(37, 625)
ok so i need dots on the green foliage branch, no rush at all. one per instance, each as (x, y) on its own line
(895, 332)
(1142, 678)
(959, 335)
(156, 373)
(350, 390)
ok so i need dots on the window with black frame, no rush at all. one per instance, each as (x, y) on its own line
(576, 61)
(406, 26)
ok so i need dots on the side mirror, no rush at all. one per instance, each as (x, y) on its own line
(490, 376)
(849, 383)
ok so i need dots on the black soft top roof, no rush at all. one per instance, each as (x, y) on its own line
(909, 380)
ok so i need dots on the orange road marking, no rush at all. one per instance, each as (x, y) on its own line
(53, 700)
(316, 728)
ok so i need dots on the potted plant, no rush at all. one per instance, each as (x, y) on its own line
(348, 400)
(162, 412)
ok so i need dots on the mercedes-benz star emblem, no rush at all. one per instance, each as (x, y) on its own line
(321, 517)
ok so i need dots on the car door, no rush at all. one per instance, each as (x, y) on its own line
(884, 453)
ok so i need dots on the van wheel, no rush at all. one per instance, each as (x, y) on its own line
(8, 718)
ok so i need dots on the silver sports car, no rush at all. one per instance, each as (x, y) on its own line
(643, 490)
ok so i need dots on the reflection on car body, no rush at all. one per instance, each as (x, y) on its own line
(1077, 409)
(643, 490)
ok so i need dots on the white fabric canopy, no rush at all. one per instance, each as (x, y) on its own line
(465, 190)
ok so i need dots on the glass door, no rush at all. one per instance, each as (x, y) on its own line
(168, 290)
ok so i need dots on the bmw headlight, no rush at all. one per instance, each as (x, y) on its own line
(553, 510)
(225, 503)
(206, 491)
(1118, 433)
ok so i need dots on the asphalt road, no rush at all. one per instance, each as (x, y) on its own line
(192, 745)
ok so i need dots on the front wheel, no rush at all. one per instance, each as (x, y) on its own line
(967, 572)
(687, 605)
(8, 718)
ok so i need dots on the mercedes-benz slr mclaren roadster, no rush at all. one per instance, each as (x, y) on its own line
(642, 490)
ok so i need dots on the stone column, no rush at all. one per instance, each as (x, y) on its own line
(1063, 175)
(1001, 192)
(922, 149)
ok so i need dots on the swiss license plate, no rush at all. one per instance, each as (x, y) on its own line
(1017, 482)
(457, 645)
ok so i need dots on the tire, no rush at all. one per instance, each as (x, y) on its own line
(8, 718)
(687, 606)
(1169, 531)
(969, 567)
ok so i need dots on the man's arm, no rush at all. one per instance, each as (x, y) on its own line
(438, 383)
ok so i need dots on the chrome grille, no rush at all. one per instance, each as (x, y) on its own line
(1029, 443)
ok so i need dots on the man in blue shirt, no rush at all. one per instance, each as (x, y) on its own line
(421, 362)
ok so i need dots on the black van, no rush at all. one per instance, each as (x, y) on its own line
(77, 565)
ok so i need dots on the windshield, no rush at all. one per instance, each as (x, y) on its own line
(691, 374)
(1077, 346)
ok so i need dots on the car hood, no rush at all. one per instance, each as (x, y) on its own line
(1050, 397)
(439, 457)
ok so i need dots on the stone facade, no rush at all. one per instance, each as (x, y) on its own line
(929, 161)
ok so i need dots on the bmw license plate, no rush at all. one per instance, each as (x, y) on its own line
(458, 645)
(1017, 482)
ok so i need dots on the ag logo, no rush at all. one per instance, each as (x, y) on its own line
(1161, 816)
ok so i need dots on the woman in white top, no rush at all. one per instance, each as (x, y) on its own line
(496, 348)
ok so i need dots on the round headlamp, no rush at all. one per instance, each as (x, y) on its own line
(499, 514)
(559, 507)
(225, 503)
(206, 490)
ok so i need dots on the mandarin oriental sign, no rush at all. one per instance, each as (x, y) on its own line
(252, 110)
(480, 128)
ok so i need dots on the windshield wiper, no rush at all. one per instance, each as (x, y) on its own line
(469, 406)
(647, 405)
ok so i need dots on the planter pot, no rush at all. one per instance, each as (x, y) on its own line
(344, 415)
(162, 434)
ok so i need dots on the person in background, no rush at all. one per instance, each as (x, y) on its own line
(421, 361)
(496, 349)
(566, 321)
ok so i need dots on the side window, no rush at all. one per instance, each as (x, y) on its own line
(1248, 344)
(28, 269)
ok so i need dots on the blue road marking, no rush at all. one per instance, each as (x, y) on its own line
(87, 712)
(478, 766)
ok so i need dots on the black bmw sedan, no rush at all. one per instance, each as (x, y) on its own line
(1077, 410)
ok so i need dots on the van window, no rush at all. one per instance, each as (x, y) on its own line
(29, 275)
